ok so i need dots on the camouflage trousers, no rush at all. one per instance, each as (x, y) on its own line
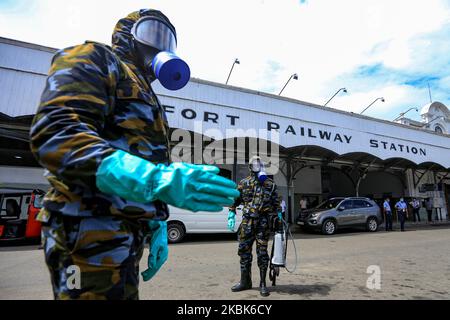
(252, 229)
(93, 257)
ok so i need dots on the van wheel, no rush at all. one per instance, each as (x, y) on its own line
(175, 232)
(372, 224)
(329, 227)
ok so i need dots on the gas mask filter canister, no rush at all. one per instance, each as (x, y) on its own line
(172, 72)
(258, 168)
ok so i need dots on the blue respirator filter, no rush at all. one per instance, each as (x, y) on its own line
(171, 71)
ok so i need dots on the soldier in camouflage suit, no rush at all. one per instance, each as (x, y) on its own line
(260, 200)
(97, 100)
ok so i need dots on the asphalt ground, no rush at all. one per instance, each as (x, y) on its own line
(413, 265)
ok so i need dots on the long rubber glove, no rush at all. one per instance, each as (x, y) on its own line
(231, 220)
(280, 216)
(187, 186)
(159, 250)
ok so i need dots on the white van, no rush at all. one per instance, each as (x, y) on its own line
(182, 222)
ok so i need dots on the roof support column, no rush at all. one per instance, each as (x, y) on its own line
(362, 176)
(290, 170)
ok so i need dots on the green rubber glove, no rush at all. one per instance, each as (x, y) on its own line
(231, 220)
(186, 186)
(159, 250)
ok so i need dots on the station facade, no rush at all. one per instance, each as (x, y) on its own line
(313, 152)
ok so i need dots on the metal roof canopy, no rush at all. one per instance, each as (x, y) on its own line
(319, 154)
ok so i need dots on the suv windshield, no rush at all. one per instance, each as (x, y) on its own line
(329, 204)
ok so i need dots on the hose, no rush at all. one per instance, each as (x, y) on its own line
(288, 231)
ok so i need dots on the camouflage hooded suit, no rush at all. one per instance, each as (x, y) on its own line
(96, 101)
(259, 201)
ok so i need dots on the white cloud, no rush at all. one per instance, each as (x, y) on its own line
(322, 40)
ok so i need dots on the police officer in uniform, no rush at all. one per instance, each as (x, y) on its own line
(387, 214)
(402, 211)
(258, 195)
(102, 134)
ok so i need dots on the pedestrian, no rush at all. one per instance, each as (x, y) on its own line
(303, 204)
(258, 195)
(283, 207)
(429, 207)
(415, 204)
(387, 214)
(103, 137)
(402, 212)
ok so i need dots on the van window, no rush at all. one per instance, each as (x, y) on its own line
(38, 201)
(3, 212)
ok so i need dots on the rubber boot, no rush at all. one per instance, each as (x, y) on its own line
(262, 285)
(245, 283)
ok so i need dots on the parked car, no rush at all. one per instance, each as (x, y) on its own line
(337, 213)
(182, 222)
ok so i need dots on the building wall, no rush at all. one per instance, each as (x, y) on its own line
(23, 71)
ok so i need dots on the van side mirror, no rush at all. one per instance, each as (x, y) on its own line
(341, 208)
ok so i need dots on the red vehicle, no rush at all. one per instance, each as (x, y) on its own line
(18, 211)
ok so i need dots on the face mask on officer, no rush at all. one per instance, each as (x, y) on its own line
(155, 44)
(257, 167)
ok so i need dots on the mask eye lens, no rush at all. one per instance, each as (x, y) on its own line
(154, 33)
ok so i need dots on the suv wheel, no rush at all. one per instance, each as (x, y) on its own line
(329, 227)
(175, 232)
(372, 224)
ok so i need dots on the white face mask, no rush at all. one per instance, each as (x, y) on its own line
(257, 166)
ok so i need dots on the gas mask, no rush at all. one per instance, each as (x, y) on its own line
(257, 167)
(156, 45)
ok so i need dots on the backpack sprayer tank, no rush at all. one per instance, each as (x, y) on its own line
(279, 251)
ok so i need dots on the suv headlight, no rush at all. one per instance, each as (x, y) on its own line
(315, 215)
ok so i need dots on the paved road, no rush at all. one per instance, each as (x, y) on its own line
(414, 265)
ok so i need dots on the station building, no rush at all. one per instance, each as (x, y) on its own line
(314, 152)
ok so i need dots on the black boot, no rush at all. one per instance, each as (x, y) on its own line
(245, 283)
(262, 285)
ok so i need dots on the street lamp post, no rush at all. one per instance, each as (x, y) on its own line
(294, 76)
(382, 100)
(341, 89)
(403, 113)
(236, 61)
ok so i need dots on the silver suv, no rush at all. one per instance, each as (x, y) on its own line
(341, 213)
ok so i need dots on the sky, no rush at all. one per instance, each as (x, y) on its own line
(383, 48)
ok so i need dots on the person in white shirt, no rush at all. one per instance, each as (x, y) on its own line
(415, 204)
(303, 204)
(283, 207)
